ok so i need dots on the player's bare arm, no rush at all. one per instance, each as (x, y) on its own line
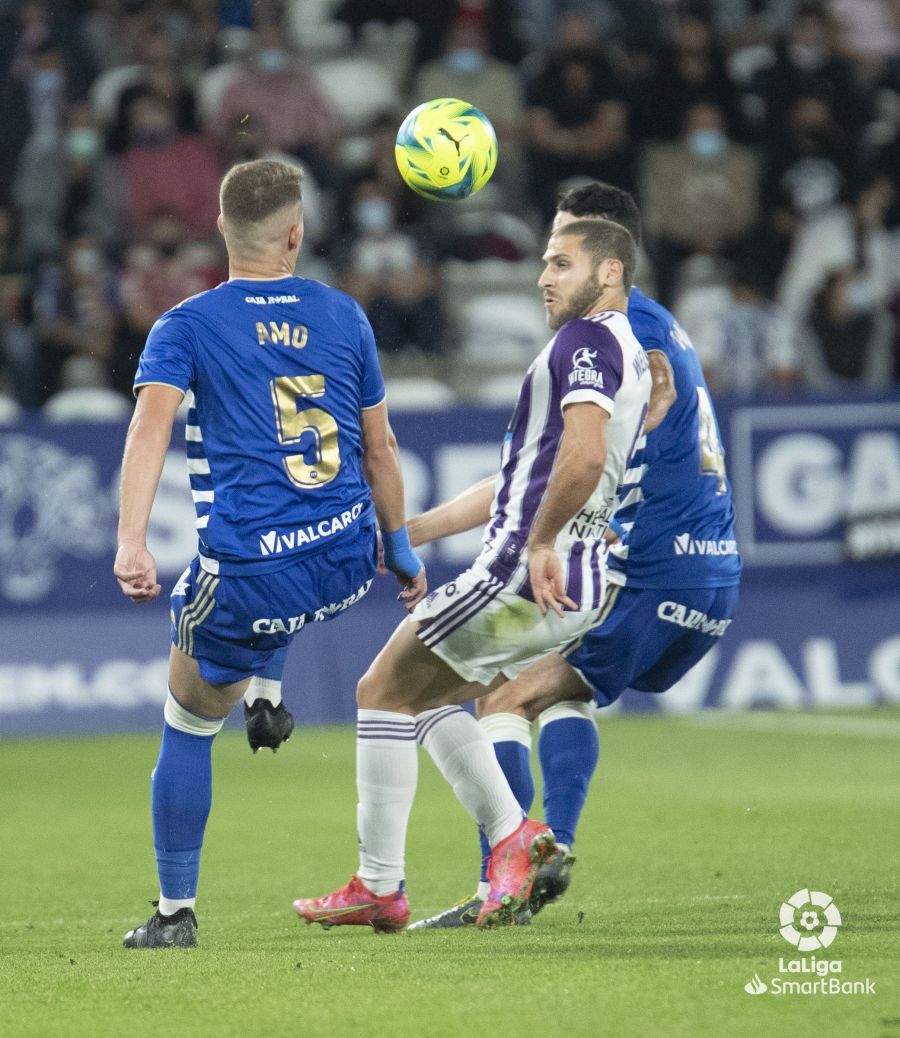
(381, 466)
(576, 471)
(466, 511)
(145, 452)
(662, 389)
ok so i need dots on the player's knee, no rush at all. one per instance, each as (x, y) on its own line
(370, 693)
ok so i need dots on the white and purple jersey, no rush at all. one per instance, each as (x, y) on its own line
(595, 359)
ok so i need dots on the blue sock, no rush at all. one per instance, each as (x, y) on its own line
(514, 758)
(181, 797)
(568, 748)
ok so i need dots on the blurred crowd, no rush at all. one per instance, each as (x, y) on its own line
(761, 140)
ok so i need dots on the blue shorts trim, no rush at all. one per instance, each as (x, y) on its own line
(646, 638)
(238, 626)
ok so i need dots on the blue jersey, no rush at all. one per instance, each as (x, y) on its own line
(280, 370)
(676, 506)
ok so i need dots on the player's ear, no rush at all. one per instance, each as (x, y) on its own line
(220, 223)
(612, 272)
(295, 237)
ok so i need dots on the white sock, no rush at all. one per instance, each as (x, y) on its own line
(507, 728)
(170, 905)
(465, 756)
(263, 688)
(484, 888)
(387, 770)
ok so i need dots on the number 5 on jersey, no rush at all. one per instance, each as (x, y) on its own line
(294, 419)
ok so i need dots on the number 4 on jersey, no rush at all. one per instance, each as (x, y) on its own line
(712, 454)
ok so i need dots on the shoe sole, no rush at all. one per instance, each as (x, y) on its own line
(378, 925)
(540, 850)
(553, 890)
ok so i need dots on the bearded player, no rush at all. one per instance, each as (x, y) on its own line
(538, 582)
(673, 582)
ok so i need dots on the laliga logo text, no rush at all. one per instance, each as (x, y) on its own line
(809, 921)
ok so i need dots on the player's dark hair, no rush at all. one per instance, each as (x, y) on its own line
(252, 191)
(605, 239)
(603, 200)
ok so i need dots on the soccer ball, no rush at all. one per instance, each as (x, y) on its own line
(446, 149)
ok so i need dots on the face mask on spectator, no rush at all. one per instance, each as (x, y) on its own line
(82, 142)
(373, 214)
(47, 80)
(707, 144)
(152, 136)
(806, 56)
(272, 60)
(85, 262)
(466, 61)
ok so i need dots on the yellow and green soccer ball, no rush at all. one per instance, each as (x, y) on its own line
(446, 149)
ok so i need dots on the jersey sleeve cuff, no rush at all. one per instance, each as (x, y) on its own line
(156, 382)
(380, 400)
(589, 396)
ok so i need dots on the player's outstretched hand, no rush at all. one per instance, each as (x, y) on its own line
(546, 573)
(135, 570)
(413, 590)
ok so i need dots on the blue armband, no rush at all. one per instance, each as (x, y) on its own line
(616, 527)
(399, 556)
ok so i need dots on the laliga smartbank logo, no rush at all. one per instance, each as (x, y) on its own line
(809, 921)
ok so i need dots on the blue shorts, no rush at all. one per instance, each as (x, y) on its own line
(647, 639)
(234, 627)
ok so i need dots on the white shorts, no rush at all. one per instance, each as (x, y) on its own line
(481, 628)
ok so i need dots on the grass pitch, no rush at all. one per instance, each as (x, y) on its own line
(695, 832)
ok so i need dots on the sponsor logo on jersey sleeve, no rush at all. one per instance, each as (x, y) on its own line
(584, 373)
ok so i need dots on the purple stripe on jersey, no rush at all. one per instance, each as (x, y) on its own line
(453, 610)
(466, 617)
(424, 727)
(595, 573)
(573, 585)
(518, 426)
(524, 589)
(547, 449)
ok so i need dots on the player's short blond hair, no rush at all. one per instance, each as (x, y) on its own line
(252, 191)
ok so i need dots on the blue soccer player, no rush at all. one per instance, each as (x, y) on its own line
(291, 461)
(673, 575)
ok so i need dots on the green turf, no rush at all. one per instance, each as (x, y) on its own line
(691, 839)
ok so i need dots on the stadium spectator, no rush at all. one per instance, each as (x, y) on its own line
(18, 356)
(690, 70)
(68, 185)
(839, 278)
(576, 118)
(701, 194)
(392, 277)
(745, 342)
(73, 309)
(161, 74)
(275, 89)
(466, 70)
(160, 270)
(168, 170)
(811, 166)
(807, 64)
